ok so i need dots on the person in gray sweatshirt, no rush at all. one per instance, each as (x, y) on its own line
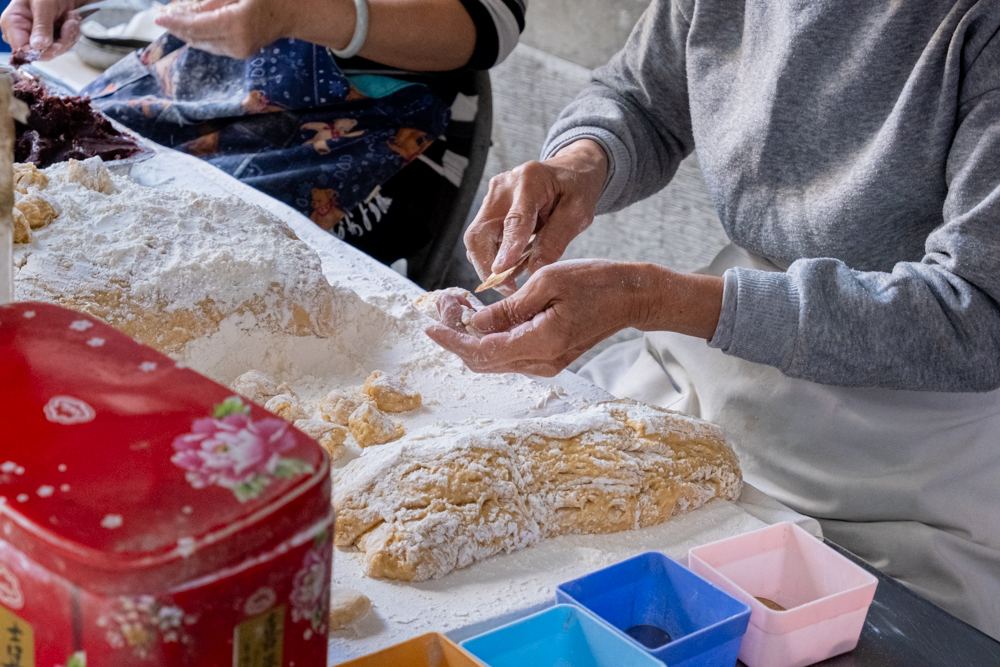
(852, 149)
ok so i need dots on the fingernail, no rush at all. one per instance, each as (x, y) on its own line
(483, 320)
(38, 42)
(501, 258)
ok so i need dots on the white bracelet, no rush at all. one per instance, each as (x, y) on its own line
(360, 32)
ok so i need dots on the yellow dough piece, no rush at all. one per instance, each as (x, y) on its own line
(36, 211)
(330, 436)
(287, 407)
(450, 496)
(22, 230)
(391, 394)
(26, 175)
(347, 606)
(370, 427)
(91, 174)
(338, 405)
(259, 387)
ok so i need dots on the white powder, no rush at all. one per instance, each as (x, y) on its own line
(174, 248)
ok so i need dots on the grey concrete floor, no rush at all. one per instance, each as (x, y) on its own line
(564, 39)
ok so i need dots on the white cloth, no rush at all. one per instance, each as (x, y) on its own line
(909, 481)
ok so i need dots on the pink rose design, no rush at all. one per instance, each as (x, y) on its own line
(232, 450)
(308, 587)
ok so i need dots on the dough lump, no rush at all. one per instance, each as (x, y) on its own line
(370, 427)
(339, 404)
(27, 175)
(391, 394)
(258, 386)
(347, 606)
(36, 210)
(287, 407)
(91, 174)
(456, 494)
(22, 230)
(330, 437)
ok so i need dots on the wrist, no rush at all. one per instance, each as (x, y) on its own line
(587, 158)
(665, 300)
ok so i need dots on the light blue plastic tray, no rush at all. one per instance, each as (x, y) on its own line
(561, 636)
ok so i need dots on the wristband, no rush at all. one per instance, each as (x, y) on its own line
(360, 32)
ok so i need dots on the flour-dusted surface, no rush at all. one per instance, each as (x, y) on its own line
(381, 330)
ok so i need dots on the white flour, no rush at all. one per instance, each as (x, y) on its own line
(174, 248)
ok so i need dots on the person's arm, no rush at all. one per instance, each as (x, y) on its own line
(632, 125)
(929, 325)
(409, 34)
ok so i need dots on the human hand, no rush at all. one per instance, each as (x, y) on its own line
(235, 28)
(48, 26)
(554, 199)
(566, 308)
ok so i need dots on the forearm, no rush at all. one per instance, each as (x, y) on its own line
(666, 300)
(411, 34)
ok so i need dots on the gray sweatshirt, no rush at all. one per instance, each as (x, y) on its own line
(856, 143)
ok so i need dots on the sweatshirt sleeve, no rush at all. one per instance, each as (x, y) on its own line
(928, 325)
(499, 24)
(636, 108)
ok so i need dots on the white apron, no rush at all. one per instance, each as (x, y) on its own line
(907, 480)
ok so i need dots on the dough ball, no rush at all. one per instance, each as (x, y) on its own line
(287, 407)
(22, 230)
(91, 174)
(370, 427)
(259, 387)
(391, 394)
(338, 405)
(26, 176)
(347, 606)
(330, 437)
(36, 210)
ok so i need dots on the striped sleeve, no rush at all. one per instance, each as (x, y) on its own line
(499, 24)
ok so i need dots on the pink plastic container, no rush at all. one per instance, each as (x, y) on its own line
(825, 596)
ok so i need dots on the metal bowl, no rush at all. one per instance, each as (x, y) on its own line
(102, 53)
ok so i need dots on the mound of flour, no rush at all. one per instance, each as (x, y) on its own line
(171, 267)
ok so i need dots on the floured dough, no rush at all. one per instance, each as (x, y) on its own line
(390, 393)
(26, 175)
(91, 174)
(443, 499)
(339, 404)
(330, 436)
(370, 427)
(22, 230)
(452, 307)
(347, 606)
(36, 211)
(287, 407)
(259, 387)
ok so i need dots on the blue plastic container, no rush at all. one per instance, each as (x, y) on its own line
(649, 594)
(560, 636)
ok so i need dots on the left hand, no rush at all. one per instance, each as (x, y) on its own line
(234, 28)
(566, 308)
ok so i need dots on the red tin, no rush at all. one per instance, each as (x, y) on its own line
(148, 516)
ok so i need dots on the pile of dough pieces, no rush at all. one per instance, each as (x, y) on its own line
(358, 412)
(32, 210)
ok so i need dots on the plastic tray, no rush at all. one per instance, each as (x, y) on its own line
(825, 596)
(561, 636)
(430, 650)
(649, 592)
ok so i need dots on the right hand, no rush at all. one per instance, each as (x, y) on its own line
(48, 26)
(554, 199)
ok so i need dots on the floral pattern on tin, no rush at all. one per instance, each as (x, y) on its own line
(140, 623)
(310, 589)
(232, 451)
